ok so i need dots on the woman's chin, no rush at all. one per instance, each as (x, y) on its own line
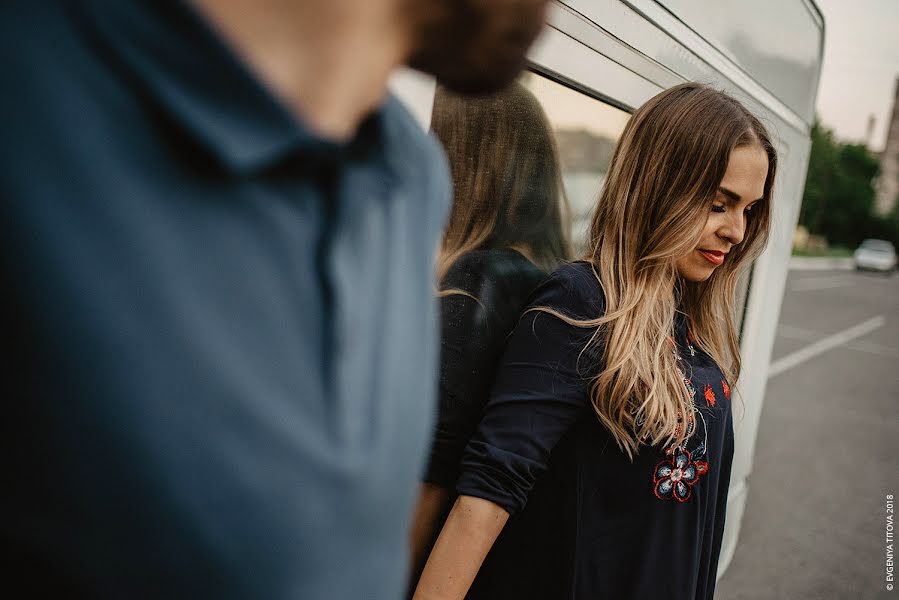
(690, 271)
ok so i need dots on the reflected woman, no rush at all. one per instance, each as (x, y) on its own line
(505, 233)
(600, 468)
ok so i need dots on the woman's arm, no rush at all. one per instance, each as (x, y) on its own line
(470, 530)
(470, 349)
(538, 394)
(432, 504)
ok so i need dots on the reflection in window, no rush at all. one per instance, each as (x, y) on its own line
(508, 228)
(507, 185)
(514, 157)
(586, 131)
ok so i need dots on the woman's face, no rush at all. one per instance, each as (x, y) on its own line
(741, 187)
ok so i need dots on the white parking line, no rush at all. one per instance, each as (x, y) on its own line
(823, 345)
(807, 335)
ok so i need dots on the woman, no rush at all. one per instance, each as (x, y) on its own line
(608, 437)
(505, 233)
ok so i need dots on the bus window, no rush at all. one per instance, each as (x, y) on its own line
(586, 131)
(517, 159)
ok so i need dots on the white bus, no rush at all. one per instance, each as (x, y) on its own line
(600, 59)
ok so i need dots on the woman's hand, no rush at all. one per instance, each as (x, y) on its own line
(470, 530)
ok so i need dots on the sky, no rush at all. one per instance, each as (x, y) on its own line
(861, 64)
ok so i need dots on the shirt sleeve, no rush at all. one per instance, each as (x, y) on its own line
(540, 391)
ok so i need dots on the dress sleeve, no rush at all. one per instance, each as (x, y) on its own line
(540, 391)
(467, 359)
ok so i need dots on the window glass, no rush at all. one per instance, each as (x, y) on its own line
(527, 166)
(586, 131)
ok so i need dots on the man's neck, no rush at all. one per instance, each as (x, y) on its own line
(327, 61)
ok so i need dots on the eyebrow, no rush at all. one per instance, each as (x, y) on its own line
(733, 195)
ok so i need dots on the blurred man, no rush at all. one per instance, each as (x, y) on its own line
(218, 239)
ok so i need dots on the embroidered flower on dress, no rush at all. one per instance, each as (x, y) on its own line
(709, 395)
(674, 478)
(726, 388)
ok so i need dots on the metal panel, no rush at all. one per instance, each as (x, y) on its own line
(657, 34)
(567, 59)
(591, 34)
(784, 55)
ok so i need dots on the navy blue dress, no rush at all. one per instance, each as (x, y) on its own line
(474, 330)
(586, 522)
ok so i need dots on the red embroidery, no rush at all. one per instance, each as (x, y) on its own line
(726, 388)
(709, 395)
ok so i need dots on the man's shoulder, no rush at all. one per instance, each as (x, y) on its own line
(32, 36)
(402, 126)
(51, 71)
(417, 160)
(412, 150)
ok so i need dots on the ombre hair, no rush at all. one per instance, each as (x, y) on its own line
(651, 212)
(507, 184)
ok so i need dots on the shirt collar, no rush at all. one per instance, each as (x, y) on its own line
(179, 62)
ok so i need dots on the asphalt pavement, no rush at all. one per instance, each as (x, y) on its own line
(826, 452)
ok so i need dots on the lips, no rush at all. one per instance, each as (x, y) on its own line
(716, 257)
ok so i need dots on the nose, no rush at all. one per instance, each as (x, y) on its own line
(734, 227)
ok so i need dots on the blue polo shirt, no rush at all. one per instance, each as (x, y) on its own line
(219, 346)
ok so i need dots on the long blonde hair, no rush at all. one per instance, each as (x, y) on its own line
(507, 184)
(666, 168)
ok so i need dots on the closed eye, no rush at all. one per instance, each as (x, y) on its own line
(719, 208)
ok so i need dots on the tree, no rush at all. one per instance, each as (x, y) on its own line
(818, 180)
(838, 202)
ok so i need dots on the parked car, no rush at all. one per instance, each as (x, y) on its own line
(875, 255)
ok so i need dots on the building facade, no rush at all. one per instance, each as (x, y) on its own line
(888, 182)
